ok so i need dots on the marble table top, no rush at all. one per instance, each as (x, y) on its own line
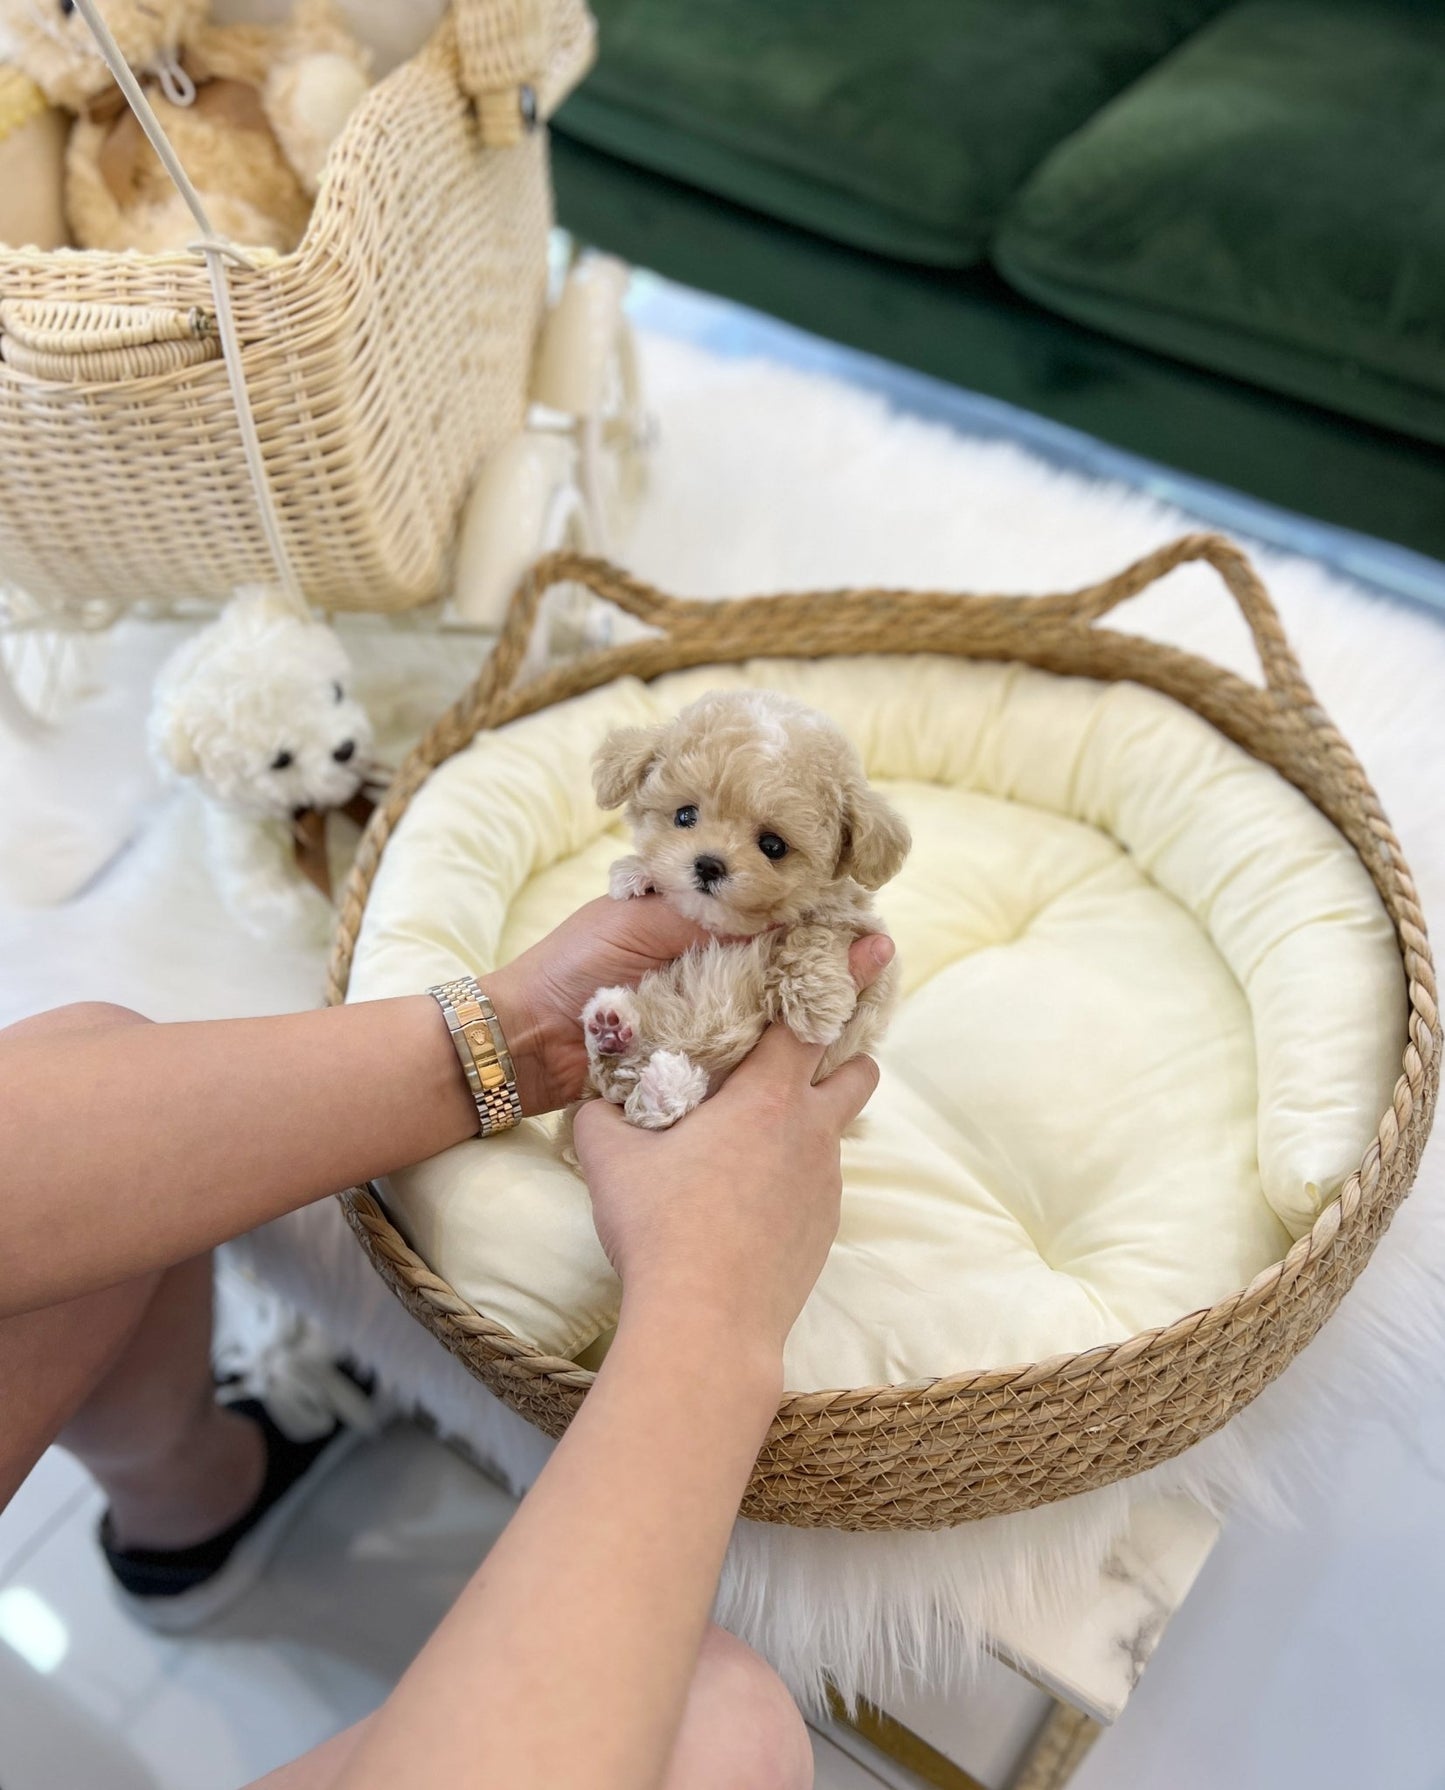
(1091, 1655)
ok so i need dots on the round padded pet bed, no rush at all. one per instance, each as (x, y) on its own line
(1165, 1061)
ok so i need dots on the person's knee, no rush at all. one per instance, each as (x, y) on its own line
(741, 1730)
(79, 1016)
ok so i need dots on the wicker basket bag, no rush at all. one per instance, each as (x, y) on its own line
(939, 1452)
(377, 365)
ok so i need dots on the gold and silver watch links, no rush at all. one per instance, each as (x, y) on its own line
(486, 1061)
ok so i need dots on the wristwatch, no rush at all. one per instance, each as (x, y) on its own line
(486, 1061)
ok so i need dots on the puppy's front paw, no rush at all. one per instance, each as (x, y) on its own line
(816, 1011)
(813, 992)
(609, 1023)
(670, 1086)
(628, 879)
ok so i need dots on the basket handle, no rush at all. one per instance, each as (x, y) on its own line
(634, 595)
(1283, 674)
(796, 613)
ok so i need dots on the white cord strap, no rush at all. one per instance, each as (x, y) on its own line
(216, 251)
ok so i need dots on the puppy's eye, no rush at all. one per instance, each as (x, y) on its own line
(337, 691)
(281, 761)
(67, 7)
(772, 847)
(686, 817)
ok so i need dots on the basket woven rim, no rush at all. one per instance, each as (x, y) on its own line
(753, 628)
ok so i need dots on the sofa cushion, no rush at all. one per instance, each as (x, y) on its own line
(1268, 202)
(901, 128)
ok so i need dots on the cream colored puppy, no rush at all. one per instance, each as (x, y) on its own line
(752, 816)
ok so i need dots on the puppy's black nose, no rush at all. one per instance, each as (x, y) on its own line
(708, 870)
(344, 751)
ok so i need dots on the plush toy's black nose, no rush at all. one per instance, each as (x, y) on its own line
(708, 870)
(344, 751)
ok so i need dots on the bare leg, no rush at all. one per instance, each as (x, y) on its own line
(49, 1360)
(176, 1466)
(317, 1770)
(740, 1731)
(122, 1377)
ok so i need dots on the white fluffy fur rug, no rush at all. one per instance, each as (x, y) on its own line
(768, 478)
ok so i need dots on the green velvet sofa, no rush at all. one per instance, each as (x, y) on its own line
(1211, 233)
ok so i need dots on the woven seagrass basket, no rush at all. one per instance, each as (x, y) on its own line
(940, 1452)
(381, 361)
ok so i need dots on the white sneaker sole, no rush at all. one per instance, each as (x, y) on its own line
(249, 1559)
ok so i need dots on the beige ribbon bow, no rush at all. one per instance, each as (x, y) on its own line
(308, 830)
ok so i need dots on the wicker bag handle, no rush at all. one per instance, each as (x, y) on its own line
(806, 622)
(79, 340)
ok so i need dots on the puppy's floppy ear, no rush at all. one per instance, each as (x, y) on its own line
(171, 744)
(255, 603)
(623, 760)
(875, 837)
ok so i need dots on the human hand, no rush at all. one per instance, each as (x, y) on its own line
(540, 995)
(731, 1213)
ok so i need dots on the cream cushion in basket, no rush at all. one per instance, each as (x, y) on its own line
(1153, 1012)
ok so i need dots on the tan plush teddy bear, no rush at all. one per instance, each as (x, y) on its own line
(32, 165)
(251, 111)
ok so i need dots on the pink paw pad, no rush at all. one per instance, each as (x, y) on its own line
(609, 1032)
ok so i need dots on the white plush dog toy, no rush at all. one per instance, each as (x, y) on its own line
(256, 709)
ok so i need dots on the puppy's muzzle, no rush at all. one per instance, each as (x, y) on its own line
(708, 872)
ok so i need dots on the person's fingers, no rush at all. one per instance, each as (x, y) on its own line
(654, 928)
(869, 956)
(778, 1056)
(849, 1089)
(596, 1120)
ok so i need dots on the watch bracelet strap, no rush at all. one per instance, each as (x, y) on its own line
(482, 1050)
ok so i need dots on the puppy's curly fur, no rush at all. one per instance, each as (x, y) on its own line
(751, 815)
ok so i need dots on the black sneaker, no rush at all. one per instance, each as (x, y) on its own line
(172, 1590)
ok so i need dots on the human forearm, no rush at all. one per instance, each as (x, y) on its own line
(125, 1149)
(591, 1608)
(578, 1636)
(126, 1146)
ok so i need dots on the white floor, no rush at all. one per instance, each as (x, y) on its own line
(88, 1701)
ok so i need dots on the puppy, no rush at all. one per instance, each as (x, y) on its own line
(752, 816)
